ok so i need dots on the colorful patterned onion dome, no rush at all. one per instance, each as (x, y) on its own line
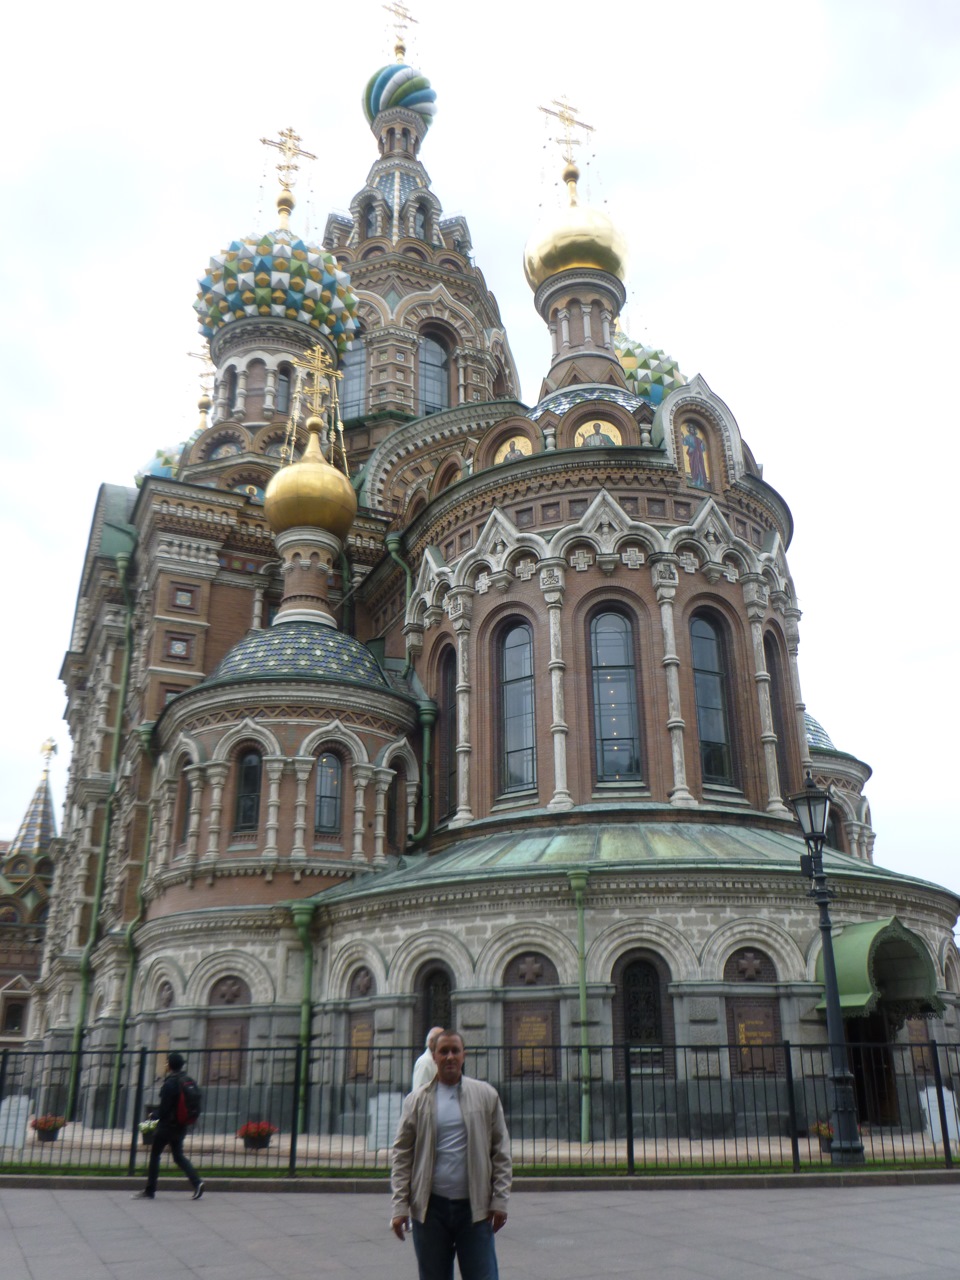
(165, 463)
(278, 275)
(650, 373)
(399, 86)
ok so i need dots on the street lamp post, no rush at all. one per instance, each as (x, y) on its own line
(812, 807)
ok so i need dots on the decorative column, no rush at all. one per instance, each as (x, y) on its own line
(217, 775)
(459, 607)
(587, 331)
(563, 315)
(461, 360)
(411, 808)
(195, 774)
(241, 405)
(168, 797)
(257, 623)
(382, 780)
(269, 391)
(791, 619)
(302, 768)
(552, 586)
(755, 599)
(665, 583)
(274, 770)
(362, 773)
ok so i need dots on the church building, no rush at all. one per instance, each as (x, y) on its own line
(396, 701)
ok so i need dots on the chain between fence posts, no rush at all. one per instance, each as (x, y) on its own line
(137, 1109)
(631, 1153)
(941, 1104)
(295, 1108)
(791, 1105)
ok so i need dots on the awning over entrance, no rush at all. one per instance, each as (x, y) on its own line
(883, 962)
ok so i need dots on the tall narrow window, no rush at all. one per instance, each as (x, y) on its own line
(518, 768)
(329, 779)
(353, 388)
(616, 729)
(771, 655)
(710, 685)
(447, 737)
(249, 769)
(434, 375)
(420, 223)
(231, 390)
(186, 804)
(370, 220)
(282, 400)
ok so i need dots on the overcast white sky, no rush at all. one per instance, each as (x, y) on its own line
(787, 178)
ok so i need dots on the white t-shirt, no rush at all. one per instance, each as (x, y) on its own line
(450, 1165)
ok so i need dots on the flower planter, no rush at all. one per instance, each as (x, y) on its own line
(256, 1144)
(47, 1135)
(826, 1144)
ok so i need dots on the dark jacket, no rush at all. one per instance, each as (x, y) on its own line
(169, 1097)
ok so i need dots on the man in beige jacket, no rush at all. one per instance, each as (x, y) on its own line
(451, 1170)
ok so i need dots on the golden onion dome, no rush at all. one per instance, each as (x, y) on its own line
(578, 237)
(311, 493)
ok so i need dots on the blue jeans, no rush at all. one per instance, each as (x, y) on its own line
(448, 1232)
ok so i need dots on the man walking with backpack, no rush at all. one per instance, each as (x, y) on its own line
(179, 1108)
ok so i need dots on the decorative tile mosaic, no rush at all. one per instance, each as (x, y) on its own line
(299, 651)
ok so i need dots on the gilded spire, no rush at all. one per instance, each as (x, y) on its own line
(402, 18)
(289, 147)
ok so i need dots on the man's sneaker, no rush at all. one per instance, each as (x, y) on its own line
(145, 1195)
(198, 1191)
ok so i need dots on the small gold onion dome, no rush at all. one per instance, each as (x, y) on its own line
(310, 492)
(576, 237)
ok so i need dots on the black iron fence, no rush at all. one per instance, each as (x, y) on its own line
(609, 1109)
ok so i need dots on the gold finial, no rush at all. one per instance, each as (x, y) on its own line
(289, 147)
(207, 374)
(48, 751)
(402, 18)
(323, 401)
(569, 122)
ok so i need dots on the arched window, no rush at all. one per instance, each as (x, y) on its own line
(186, 804)
(531, 1023)
(370, 220)
(834, 838)
(434, 373)
(420, 223)
(447, 738)
(231, 397)
(353, 388)
(395, 814)
(247, 809)
(433, 988)
(518, 745)
(616, 726)
(643, 1013)
(710, 680)
(329, 786)
(15, 1018)
(282, 399)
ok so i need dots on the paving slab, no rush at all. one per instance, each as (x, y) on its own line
(840, 1232)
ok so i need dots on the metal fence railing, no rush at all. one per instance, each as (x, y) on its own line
(610, 1109)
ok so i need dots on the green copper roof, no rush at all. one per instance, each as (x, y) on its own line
(645, 846)
(881, 959)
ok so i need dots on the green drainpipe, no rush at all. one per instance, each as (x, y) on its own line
(578, 882)
(132, 962)
(427, 711)
(392, 543)
(302, 912)
(123, 563)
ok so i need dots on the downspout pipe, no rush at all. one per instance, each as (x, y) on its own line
(86, 958)
(392, 542)
(303, 911)
(578, 883)
(133, 957)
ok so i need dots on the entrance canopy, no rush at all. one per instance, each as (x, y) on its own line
(883, 964)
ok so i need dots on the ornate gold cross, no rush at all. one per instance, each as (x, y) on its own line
(565, 114)
(289, 147)
(402, 18)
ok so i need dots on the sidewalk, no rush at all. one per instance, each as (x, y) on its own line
(852, 1232)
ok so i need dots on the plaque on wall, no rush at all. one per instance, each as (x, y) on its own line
(755, 1025)
(360, 1063)
(532, 1039)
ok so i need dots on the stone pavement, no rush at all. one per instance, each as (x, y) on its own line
(841, 1232)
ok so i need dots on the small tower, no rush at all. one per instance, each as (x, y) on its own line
(575, 262)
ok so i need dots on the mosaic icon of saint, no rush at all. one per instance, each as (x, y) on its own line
(597, 435)
(695, 462)
(517, 447)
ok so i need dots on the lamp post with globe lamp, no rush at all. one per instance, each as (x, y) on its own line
(812, 807)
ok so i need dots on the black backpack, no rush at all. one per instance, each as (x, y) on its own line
(188, 1102)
